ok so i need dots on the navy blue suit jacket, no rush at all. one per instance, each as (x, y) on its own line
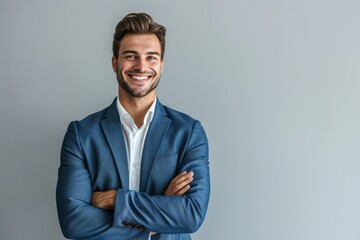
(94, 158)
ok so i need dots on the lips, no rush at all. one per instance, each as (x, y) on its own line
(139, 77)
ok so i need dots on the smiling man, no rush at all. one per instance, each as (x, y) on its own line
(137, 169)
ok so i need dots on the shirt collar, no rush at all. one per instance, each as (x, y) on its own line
(123, 113)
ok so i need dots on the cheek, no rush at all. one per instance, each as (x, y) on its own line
(121, 69)
(157, 68)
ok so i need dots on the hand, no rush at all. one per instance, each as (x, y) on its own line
(180, 184)
(104, 200)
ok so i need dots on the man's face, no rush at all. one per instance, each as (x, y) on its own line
(139, 65)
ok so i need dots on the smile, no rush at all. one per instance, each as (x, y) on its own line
(139, 77)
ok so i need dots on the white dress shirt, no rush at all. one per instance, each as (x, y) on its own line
(134, 139)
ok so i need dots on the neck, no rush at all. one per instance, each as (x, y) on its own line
(137, 107)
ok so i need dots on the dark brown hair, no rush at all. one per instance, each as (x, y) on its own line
(138, 23)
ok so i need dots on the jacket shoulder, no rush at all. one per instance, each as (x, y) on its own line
(95, 118)
(179, 117)
(91, 123)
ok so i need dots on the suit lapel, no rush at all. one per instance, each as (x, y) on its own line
(154, 138)
(115, 138)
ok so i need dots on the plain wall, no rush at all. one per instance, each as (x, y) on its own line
(274, 83)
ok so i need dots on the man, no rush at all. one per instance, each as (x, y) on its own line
(137, 169)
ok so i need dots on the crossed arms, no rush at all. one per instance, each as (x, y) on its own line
(178, 186)
(84, 214)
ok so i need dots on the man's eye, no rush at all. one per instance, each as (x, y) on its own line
(130, 57)
(152, 58)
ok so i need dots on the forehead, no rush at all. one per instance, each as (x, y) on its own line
(140, 43)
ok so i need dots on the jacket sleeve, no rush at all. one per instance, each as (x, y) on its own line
(78, 218)
(172, 214)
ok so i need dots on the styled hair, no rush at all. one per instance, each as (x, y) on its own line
(138, 23)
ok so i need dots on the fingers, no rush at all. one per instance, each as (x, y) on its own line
(180, 184)
(104, 200)
(183, 190)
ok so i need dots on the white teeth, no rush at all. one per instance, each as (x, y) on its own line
(139, 77)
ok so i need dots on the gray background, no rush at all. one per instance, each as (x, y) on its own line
(275, 84)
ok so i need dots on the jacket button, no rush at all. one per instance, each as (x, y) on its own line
(125, 223)
(139, 227)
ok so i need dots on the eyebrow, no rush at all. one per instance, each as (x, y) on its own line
(135, 52)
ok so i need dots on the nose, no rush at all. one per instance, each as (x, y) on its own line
(140, 65)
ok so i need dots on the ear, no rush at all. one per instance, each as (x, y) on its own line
(114, 64)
